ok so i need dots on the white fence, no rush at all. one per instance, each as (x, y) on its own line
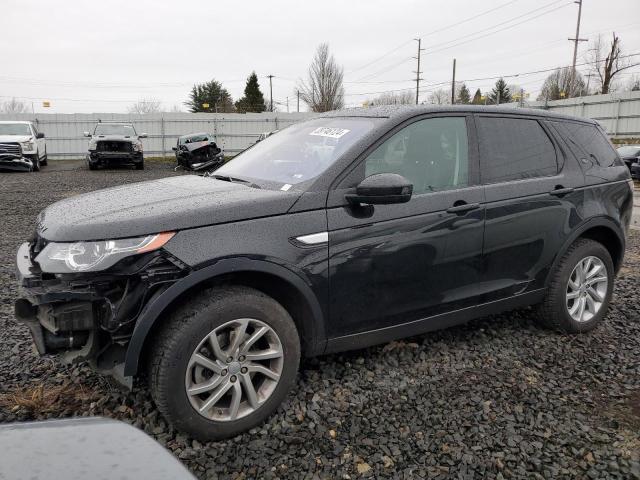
(234, 132)
(618, 113)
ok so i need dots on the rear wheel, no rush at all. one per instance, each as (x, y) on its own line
(223, 362)
(579, 293)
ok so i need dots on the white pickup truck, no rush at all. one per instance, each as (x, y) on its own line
(26, 135)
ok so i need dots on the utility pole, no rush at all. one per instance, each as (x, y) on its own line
(418, 72)
(453, 84)
(521, 97)
(575, 48)
(298, 101)
(589, 75)
(270, 93)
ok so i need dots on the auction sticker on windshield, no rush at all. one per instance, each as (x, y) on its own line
(330, 132)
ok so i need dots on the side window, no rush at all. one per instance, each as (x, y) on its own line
(591, 140)
(514, 149)
(432, 154)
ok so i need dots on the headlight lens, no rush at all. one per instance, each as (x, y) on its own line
(96, 256)
(92, 144)
(137, 147)
(27, 145)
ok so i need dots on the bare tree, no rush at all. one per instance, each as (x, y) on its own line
(323, 90)
(14, 106)
(146, 105)
(394, 98)
(440, 97)
(607, 61)
(562, 84)
(175, 109)
(633, 83)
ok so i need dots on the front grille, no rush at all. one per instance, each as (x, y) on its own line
(113, 146)
(10, 149)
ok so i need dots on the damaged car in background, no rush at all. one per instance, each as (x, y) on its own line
(22, 146)
(115, 144)
(198, 151)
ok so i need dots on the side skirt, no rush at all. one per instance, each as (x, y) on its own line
(429, 324)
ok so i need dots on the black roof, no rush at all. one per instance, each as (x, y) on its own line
(398, 112)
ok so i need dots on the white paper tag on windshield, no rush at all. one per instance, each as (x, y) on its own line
(330, 132)
(285, 187)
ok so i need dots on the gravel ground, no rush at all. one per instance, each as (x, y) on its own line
(497, 398)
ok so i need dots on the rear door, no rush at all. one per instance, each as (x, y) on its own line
(531, 201)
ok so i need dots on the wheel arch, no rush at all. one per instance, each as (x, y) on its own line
(602, 230)
(282, 284)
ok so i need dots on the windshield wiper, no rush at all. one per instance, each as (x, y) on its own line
(226, 178)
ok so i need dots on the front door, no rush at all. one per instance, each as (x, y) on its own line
(393, 264)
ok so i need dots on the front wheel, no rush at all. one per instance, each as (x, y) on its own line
(223, 362)
(140, 166)
(36, 162)
(580, 290)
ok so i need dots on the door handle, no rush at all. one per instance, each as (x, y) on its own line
(559, 192)
(463, 208)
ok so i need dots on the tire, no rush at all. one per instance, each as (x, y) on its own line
(554, 311)
(45, 159)
(185, 333)
(36, 162)
(140, 166)
(92, 166)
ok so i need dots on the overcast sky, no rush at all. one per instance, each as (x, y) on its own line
(92, 56)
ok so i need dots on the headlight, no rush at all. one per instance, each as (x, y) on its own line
(137, 147)
(92, 144)
(27, 145)
(98, 255)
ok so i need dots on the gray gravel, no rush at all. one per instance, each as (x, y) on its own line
(497, 398)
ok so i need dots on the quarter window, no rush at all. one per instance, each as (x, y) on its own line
(432, 154)
(514, 149)
(590, 139)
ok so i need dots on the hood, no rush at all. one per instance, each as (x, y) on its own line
(111, 138)
(157, 206)
(15, 138)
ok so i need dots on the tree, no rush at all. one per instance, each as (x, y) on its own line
(253, 100)
(440, 97)
(391, 98)
(14, 106)
(607, 61)
(562, 84)
(146, 105)
(212, 94)
(463, 97)
(500, 93)
(323, 90)
(477, 98)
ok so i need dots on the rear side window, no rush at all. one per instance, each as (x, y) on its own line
(591, 140)
(514, 149)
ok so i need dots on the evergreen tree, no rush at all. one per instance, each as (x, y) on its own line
(477, 98)
(463, 95)
(211, 93)
(500, 93)
(253, 100)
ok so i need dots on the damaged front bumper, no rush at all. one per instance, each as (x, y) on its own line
(15, 163)
(100, 159)
(90, 316)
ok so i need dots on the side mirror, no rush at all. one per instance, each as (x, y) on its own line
(86, 134)
(175, 149)
(142, 135)
(382, 189)
(40, 135)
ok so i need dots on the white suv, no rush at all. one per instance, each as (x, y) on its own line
(27, 135)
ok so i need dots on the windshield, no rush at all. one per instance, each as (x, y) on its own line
(629, 150)
(114, 129)
(14, 129)
(198, 137)
(298, 153)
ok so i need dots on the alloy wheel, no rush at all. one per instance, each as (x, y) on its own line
(586, 289)
(234, 369)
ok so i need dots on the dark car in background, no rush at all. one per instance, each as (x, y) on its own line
(630, 155)
(114, 143)
(347, 230)
(198, 151)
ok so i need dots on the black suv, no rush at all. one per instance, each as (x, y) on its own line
(353, 228)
